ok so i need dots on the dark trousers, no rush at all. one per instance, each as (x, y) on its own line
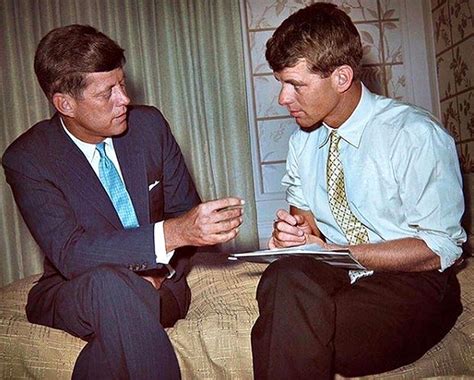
(313, 323)
(118, 314)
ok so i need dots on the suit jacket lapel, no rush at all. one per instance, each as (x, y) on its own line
(75, 169)
(132, 163)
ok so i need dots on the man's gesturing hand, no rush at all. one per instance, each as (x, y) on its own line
(209, 223)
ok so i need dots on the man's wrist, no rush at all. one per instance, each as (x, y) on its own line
(172, 234)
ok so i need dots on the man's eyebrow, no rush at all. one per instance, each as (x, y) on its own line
(294, 82)
(107, 88)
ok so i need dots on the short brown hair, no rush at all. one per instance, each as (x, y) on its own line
(322, 34)
(66, 54)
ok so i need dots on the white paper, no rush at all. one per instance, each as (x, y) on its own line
(340, 258)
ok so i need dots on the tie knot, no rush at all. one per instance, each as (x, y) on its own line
(101, 149)
(335, 137)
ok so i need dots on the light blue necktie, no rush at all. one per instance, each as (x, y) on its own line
(116, 189)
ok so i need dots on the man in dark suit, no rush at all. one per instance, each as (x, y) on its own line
(105, 192)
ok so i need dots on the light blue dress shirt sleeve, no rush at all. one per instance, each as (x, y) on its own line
(292, 180)
(431, 188)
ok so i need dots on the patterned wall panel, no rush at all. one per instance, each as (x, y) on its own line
(453, 26)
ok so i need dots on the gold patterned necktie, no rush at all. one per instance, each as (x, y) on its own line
(353, 229)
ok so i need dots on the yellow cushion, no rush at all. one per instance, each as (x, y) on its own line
(213, 342)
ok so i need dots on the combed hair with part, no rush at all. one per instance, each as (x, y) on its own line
(67, 54)
(322, 34)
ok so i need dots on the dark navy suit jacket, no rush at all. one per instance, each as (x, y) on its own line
(72, 218)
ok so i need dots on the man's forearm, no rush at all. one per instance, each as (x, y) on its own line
(406, 255)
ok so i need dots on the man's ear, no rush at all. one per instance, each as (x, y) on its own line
(64, 103)
(342, 78)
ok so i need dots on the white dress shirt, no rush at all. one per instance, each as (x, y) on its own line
(401, 174)
(93, 157)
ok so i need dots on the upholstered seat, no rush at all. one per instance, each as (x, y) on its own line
(213, 342)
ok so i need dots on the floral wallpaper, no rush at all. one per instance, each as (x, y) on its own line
(453, 27)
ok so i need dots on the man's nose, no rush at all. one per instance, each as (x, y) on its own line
(122, 97)
(284, 98)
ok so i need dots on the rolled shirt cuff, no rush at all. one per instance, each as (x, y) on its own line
(448, 249)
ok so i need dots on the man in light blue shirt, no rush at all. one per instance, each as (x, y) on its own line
(370, 174)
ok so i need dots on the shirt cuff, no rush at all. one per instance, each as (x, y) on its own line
(444, 246)
(162, 257)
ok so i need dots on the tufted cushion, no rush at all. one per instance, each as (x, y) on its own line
(213, 342)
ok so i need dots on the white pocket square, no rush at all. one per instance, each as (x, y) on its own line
(153, 185)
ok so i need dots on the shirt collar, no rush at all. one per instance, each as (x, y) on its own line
(353, 128)
(88, 149)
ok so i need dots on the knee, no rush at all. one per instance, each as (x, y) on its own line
(107, 271)
(293, 275)
(109, 278)
(272, 272)
(280, 274)
(284, 268)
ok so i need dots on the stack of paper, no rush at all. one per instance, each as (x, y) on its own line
(340, 258)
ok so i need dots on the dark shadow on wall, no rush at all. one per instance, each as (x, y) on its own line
(468, 185)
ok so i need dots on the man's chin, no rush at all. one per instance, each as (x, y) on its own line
(120, 128)
(307, 125)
